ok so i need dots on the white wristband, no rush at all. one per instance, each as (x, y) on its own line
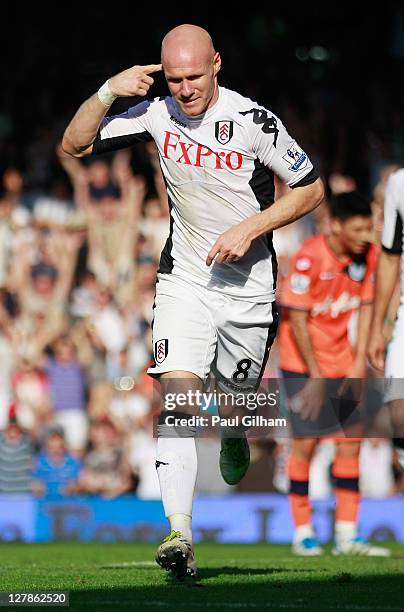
(105, 95)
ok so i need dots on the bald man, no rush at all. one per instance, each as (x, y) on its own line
(215, 312)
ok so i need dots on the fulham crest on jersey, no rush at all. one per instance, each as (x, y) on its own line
(224, 131)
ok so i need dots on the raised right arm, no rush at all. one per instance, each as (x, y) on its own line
(81, 132)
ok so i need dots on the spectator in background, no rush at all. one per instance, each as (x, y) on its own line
(159, 182)
(341, 183)
(42, 289)
(155, 226)
(106, 335)
(6, 360)
(56, 471)
(107, 323)
(15, 458)
(30, 336)
(10, 192)
(83, 301)
(32, 399)
(68, 393)
(44, 285)
(113, 224)
(105, 469)
(100, 181)
(92, 354)
(130, 361)
(5, 238)
(144, 291)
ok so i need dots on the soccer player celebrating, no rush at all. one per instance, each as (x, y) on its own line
(387, 272)
(214, 308)
(330, 278)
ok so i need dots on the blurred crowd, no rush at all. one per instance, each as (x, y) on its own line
(77, 278)
(78, 266)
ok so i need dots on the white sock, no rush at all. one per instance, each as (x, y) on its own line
(345, 530)
(302, 532)
(177, 466)
(181, 522)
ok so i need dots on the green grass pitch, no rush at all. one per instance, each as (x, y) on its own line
(103, 577)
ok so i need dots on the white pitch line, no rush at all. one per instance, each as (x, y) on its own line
(227, 562)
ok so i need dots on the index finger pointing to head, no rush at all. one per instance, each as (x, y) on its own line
(152, 68)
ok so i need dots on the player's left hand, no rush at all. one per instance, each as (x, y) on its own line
(355, 382)
(231, 245)
(309, 401)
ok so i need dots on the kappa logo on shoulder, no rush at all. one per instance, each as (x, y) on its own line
(224, 131)
(160, 350)
(268, 122)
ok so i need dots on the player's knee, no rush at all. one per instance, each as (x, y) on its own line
(303, 448)
(181, 392)
(348, 449)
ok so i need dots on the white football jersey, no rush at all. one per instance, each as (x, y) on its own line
(393, 234)
(218, 169)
